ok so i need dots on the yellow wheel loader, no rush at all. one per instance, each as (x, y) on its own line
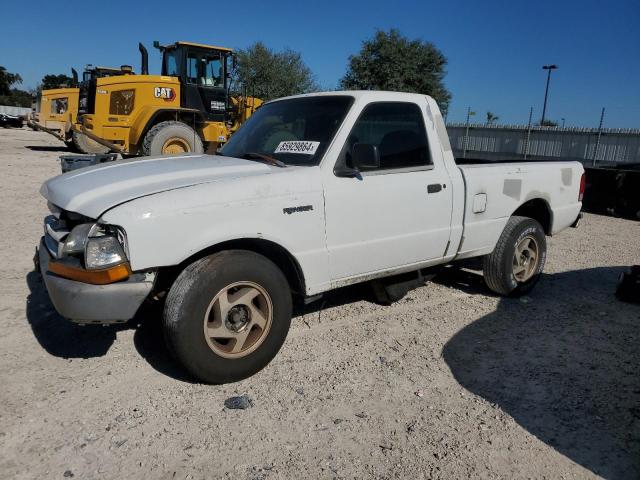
(187, 108)
(58, 109)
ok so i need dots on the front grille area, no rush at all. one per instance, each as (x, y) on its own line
(55, 231)
(58, 226)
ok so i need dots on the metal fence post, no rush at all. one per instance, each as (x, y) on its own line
(597, 146)
(466, 135)
(528, 136)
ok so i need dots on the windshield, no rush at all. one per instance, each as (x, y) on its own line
(295, 132)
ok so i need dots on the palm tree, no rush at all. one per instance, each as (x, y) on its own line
(492, 118)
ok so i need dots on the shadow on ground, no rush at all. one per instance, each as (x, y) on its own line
(64, 339)
(49, 148)
(58, 336)
(564, 362)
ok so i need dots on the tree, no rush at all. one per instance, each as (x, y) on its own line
(6, 80)
(13, 96)
(56, 81)
(18, 98)
(267, 74)
(492, 118)
(390, 61)
(548, 123)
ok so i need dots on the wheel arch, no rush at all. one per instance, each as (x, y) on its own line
(275, 252)
(539, 210)
(192, 118)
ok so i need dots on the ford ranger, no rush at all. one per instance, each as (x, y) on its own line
(313, 193)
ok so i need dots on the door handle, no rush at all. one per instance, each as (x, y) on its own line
(434, 188)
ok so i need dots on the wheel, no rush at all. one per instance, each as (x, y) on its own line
(227, 315)
(515, 265)
(171, 138)
(85, 145)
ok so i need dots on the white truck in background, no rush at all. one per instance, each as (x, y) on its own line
(314, 192)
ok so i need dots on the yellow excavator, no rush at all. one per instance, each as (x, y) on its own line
(58, 109)
(187, 108)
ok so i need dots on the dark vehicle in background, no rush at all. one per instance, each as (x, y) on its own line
(7, 121)
(613, 190)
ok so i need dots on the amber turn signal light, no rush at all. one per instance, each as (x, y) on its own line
(95, 277)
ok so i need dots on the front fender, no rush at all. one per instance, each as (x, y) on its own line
(167, 228)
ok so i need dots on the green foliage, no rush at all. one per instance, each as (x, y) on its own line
(390, 61)
(267, 74)
(548, 123)
(492, 118)
(6, 80)
(13, 97)
(17, 98)
(50, 82)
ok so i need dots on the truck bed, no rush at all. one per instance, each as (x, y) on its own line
(495, 190)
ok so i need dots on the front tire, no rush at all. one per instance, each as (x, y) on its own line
(516, 264)
(227, 315)
(84, 144)
(171, 138)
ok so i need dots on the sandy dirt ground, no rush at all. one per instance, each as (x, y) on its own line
(546, 386)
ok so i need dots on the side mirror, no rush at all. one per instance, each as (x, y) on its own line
(365, 155)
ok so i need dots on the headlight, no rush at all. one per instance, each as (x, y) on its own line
(103, 246)
(103, 252)
(77, 239)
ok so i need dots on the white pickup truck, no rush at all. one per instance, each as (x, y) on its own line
(314, 192)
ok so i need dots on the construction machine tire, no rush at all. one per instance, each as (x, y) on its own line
(171, 138)
(85, 145)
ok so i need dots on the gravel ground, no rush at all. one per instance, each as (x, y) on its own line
(542, 387)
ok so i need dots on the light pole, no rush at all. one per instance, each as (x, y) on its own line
(562, 122)
(546, 91)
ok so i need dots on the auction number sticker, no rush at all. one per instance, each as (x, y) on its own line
(297, 146)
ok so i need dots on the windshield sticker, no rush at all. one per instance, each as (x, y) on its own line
(297, 146)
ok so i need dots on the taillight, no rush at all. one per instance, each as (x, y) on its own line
(582, 185)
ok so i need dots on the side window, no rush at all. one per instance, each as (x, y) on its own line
(192, 68)
(397, 129)
(171, 68)
(59, 105)
(214, 74)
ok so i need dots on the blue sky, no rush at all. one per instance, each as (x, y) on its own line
(495, 48)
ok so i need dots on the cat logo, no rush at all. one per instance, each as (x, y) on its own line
(167, 93)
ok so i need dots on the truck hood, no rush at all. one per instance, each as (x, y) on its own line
(93, 190)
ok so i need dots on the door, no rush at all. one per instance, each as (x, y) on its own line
(204, 87)
(396, 214)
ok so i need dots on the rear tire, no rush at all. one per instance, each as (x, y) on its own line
(84, 144)
(516, 264)
(227, 315)
(171, 138)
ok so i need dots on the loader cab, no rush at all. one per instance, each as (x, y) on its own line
(204, 76)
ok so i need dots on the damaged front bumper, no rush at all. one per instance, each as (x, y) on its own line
(97, 304)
